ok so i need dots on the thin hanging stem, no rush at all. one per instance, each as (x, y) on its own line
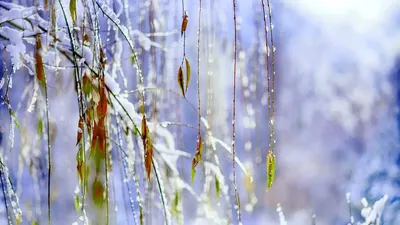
(184, 33)
(198, 75)
(268, 75)
(234, 113)
(48, 150)
(273, 77)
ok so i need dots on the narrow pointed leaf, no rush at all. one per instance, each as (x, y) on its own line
(270, 168)
(180, 80)
(15, 120)
(72, 10)
(238, 202)
(200, 146)
(197, 157)
(148, 157)
(40, 127)
(147, 146)
(39, 61)
(98, 193)
(193, 174)
(176, 203)
(187, 73)
(184, 23)
(217, 187)
(80, 130)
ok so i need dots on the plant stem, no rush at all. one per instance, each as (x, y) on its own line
(234, 114)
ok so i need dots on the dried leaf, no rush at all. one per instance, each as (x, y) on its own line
(72, 10)
(180, 80)
(80, 130)
(86, 39)
(148, 157)
(102, 59)
(197, 158)
(144, 130)
(270, 168)
(187, 73)
(102, 106)
(39, 61)
(184, 23)
(200, 146)
(147, 146)
(98, 193)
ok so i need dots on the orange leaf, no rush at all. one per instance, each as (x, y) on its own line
(147, 146)
(102, 106)
(144, 131)
(79, 169)
(184, 23)
(98, 193)
(148, 157)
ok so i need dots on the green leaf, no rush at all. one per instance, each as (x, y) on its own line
(238, 202)
(176, 202)
(72, 9)
(15, 120)
(187, 73)
(40, 127)
(76, 202)
(271, 161)
(217, 187)
(193, 174)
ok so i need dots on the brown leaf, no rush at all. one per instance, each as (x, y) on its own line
(80, 130)
(144, 130)
(86, 39)
(98, 193)
(197, 158)
(102, 106)
(39, 60)
(184, 23)
(147, 146)
(180, 80)
(80, 169)
(148, 157)
(102, 58)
